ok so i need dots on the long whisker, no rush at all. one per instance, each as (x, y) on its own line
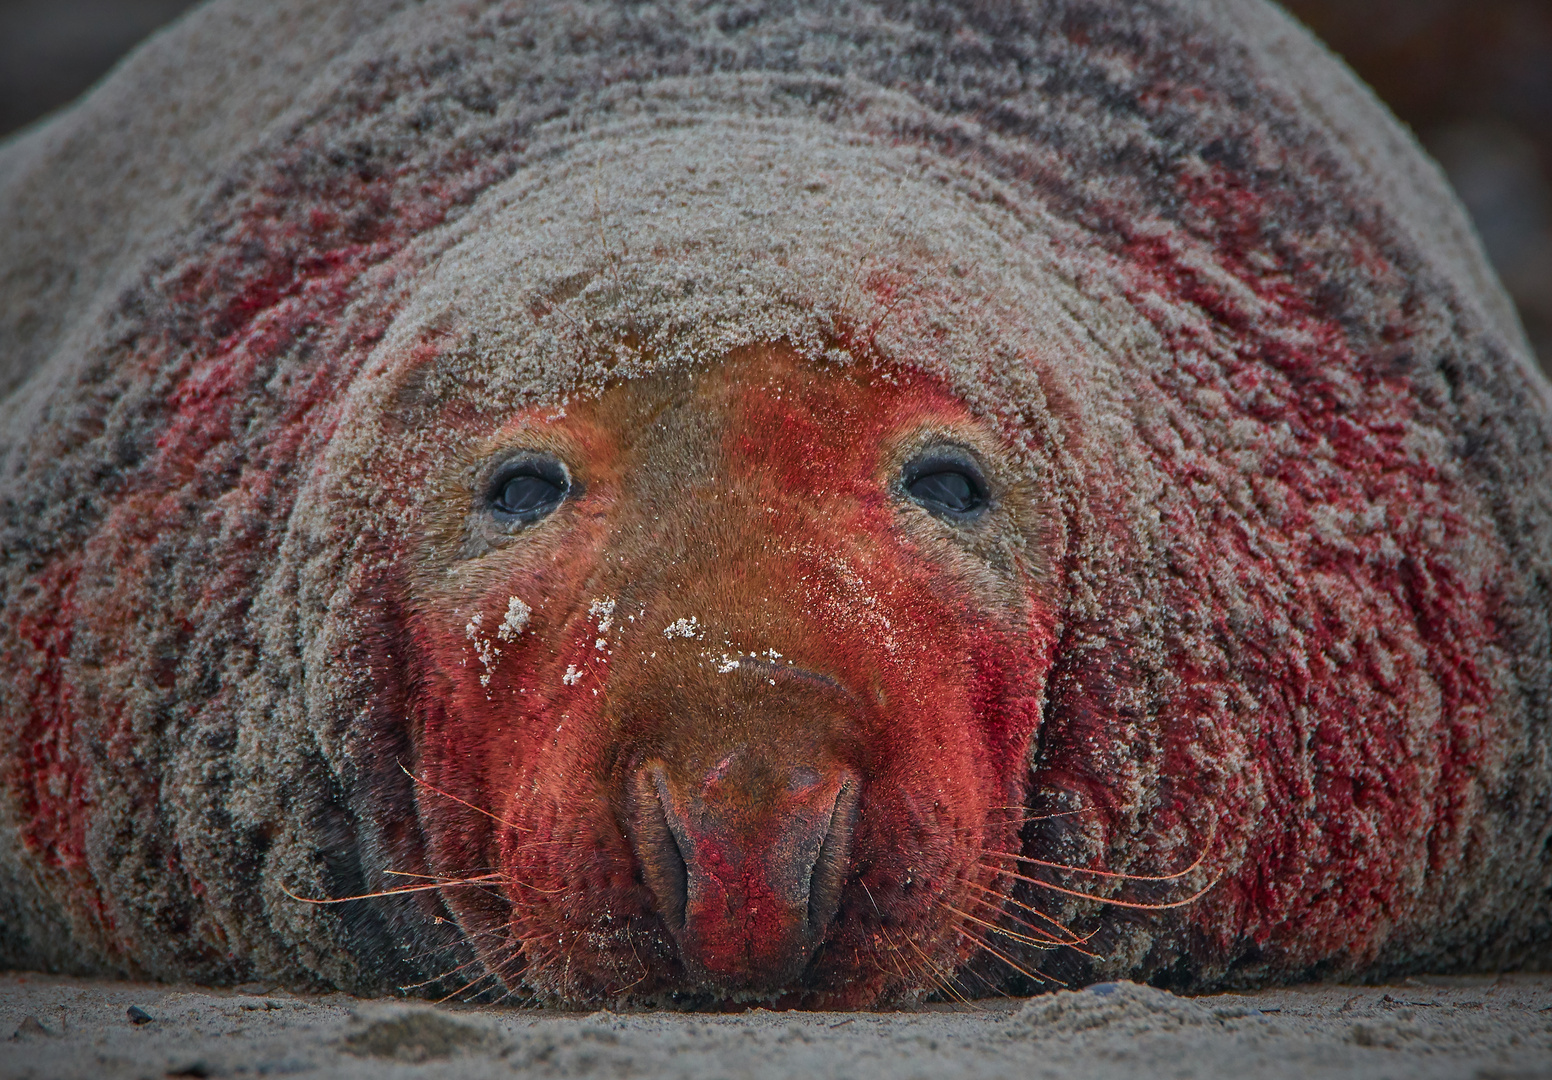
(438, 978)
(461, 802)
(449, 973)
(510, 994)
(467, 937)
(401, 891)
(1200, 858)
(480, 884)
(1075, 939)
(995, 904)
(636, 956)
(924, 970)
(541, 892)
(1019, 821)
(905, 975)
(1037, 976)
(1117, 903)
(902, 970)
(984, 945)
(556, 841)
(985, 981)
(905, 970)
(1044, 938)
(1025, 939)
(465, 988)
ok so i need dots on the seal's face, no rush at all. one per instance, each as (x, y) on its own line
(730, 678)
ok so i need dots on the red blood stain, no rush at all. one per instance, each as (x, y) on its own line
(1345, 543)
(253, 345)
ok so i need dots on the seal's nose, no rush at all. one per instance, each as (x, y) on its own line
(747, 864)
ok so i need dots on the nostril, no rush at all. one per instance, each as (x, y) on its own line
(657, 849)
(834, 862)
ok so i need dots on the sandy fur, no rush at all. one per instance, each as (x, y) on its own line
(1218, 304)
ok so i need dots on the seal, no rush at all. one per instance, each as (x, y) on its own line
(704, 504)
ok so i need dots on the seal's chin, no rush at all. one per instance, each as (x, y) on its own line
(745, 864)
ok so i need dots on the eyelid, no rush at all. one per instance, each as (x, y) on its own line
(531, 463)
(944, 452)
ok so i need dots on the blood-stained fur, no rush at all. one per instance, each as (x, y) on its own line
(815, 503)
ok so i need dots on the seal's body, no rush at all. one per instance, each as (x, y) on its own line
(824, 505)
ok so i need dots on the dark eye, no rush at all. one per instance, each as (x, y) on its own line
(528, 488)
(947, 482)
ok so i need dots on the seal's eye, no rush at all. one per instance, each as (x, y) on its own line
(528, 488)
(946, 481)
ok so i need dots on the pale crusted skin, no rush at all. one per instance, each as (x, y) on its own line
(1297, 455)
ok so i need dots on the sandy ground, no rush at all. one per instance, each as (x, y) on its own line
(1483, 1028)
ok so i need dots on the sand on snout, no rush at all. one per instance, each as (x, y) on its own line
(1483, 1027)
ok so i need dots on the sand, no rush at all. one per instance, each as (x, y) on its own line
(1497, 1027)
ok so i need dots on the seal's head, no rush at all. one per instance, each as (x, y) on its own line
(731, 675)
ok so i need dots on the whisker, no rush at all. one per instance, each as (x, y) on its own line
(1118, 903)
(1200, 858)
(402, 891)
(1049, 941)
(955, 978)
(636, 956)
(1046, 816)
(466, 938)
(1036, 976)
(877, 956)
(995, 904)
(985, 946)
(465, 988)
(461, 802)
(869, 894)
(904, 970)
(552, 842)
(995, 822)
(490, 875)
(1037, 913)
(925, 971)
(541, 892)
(1024, 939)
(905, 975)
(947, 983)
(984, 981)
(507, 995)
(438, 978)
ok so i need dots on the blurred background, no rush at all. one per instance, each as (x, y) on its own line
(1473, 78)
